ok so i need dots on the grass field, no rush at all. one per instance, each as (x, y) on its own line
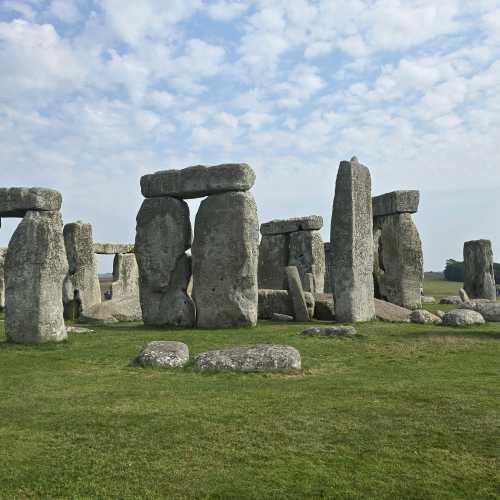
(401, 411)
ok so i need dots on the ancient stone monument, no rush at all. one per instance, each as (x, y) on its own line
(35, 266)
(352, 243)
(479, 276)
(224, 250)
(328, 268)
(292, 242)
(398, 258)
(3, 251)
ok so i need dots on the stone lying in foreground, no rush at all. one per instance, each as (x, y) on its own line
(111, 311)
(113, 248)
(452, 299)
(423, 317)
(283, 226)
(281, 317)
(330, 331)
(256, 358)
(397, 202)
(279, 302)
(324, 306)
(15, 202)
(427, 299)
(386, 311)
(198, 181)
(78, 329)
(462, 317)
(490, 311)
(165, 354)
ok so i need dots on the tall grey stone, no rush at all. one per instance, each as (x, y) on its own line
(479, 275)
(352, 243)
(273, 259)
(3, 251)
(82, 263)
(328, 268)
(162, 238)
(297, 294)
(125, 276)
(225, 260)
(35, 267)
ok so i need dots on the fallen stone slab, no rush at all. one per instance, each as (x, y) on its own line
(164, 354)
(281, 317)
(280, 302)
(386, 311)
(427, 299)
(324, 306)
(489, 310)
(16, 201)
(256, 358)
(198, 181)
(423, 317)
(462, 317)
(113, 248)
(284, 226)
(112, 311)
(330, 331)
(78, 329)
(297, 294)
(452, 299)
(396, 202)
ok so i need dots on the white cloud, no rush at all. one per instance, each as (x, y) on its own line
(226, 11)
(65, 10)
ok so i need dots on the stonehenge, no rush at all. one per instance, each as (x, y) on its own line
(479, 276)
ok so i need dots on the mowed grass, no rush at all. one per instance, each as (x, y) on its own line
(400, 411)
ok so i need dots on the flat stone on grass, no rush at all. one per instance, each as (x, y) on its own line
(462, 317)
(328, 331)
(164, 354)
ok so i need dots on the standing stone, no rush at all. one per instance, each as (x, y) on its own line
(225, 260)
(35, 267)
(352, 243)
(297, 293)
(479, 276)
(125, 276)
(82, 263)
(162, 238)
(273, 258)
(328, 268)
(3, 251)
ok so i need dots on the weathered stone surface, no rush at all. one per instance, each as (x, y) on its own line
(440, 314)
(283, 226)
(162, 238)
(423, 317)
(225, 260)
(281, 317)
(329, 331)
(198, 181)
(273, 259)
(324, 307)
(113, 248)
(452, 299)
(307, 254)
(280, 302)
(35, 267)
(78, 329)
(352, 244)
(328, 268)
(427, 299)
(479, 276)
(489, 310)
(260, 358)
(111, 311)
(462, 317)
(164, 354)
(125, 276)
(3, 251)
(398, 260)
(397, 202)
(82, 263)
(16, 201)
(386, 311)
(296, 292)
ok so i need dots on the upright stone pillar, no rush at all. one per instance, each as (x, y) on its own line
(125, 276)
(352, 243)
(273, 259)
(3, 251)
(328, 268)
(225, 259)
(479, 275)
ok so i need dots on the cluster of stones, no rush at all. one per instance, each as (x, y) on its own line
(224, 253)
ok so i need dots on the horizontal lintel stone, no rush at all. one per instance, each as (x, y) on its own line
(396, 202)
(283, 226)
(113, 248)
(16, 201)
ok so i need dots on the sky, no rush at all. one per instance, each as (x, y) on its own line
(96, 93)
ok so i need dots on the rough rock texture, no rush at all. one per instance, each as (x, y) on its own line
(489, 310)
(283, 226)
(280, 302)
(281, 317)
(273, 258)
(225, 259)
(3, 251)
(15, 202)
(352, 243)
(397, 202)
(78, 329)
(440, 314)
(328, 268)
(125, 276)
(330, 331)
(82, 263)
(479, 276)
(165, 354)
(462, 317)
(198, 181)
(386, 311)
(463, 295)
(427, 299)
(307, 254)
(424, 317)
(111, 311)
(398, 260)
(324, 306)
(35, 267)
(452, 299)
(296, 292)
(162, 238)
(113, 248)
(261, 358)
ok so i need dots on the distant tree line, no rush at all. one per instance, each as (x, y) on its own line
(454, 271)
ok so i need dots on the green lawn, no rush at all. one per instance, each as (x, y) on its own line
(402, 411)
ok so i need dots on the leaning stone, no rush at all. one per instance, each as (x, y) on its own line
(125, 276)
(225, 259)
(281, 317)
(112, 311)
(16, 202)
(385, 311)
(462, 317)
(3, 251)
(423, 317)
(397, 202)
(452, 299)
(283, 226)
(427, 299)
(256, 358)
(463, 295)
(273, 259)
(352, 244)
(280, 301)
(198, 181)
(112, 248)
(297, 294)
(164, 354)
(324, 307)
(35, 267)
(330, 331)
(489, 310)
(479, 276)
